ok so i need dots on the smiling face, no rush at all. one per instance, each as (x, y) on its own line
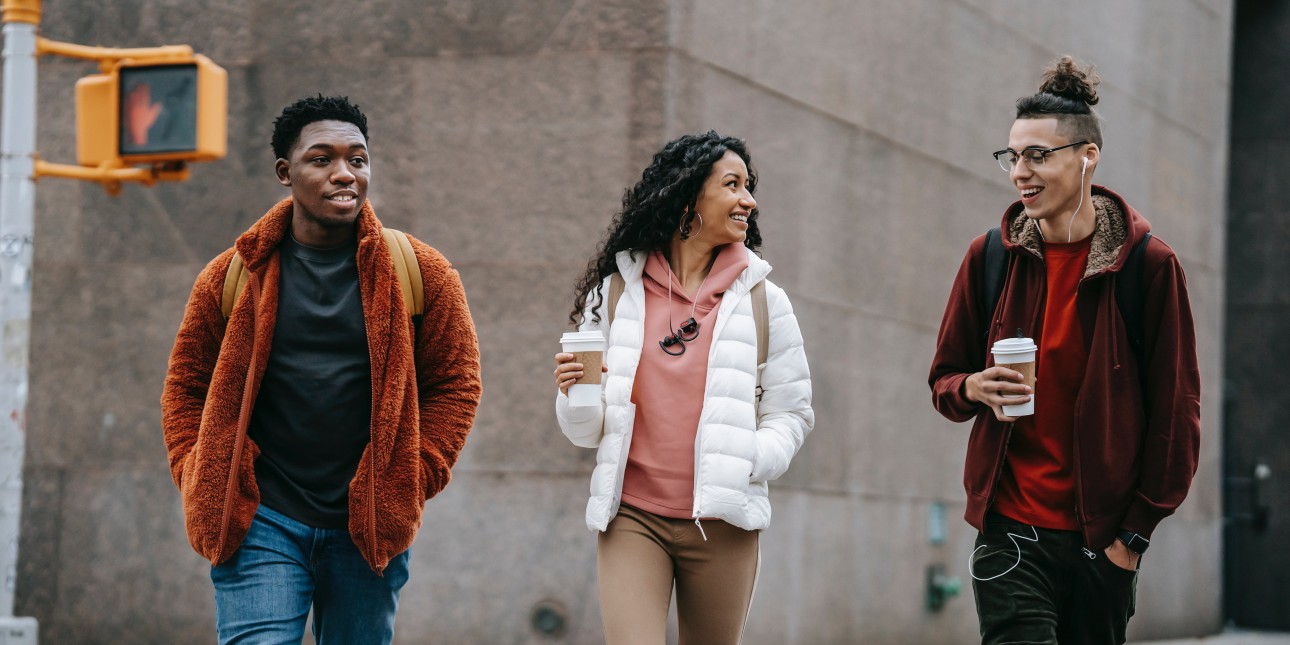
(725, 202)
(328, 171)
(1052, 189)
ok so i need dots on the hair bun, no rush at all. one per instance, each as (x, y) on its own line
(1067, 80)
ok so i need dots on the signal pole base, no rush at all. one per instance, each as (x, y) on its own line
(19, 630)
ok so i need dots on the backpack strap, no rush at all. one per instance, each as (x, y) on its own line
(616, 287)
(1128, 296)
(996, 264)
(761, 317)
(401, 253)
(404, 259)
(234, 282)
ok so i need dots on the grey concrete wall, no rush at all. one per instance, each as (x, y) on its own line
(504, 133)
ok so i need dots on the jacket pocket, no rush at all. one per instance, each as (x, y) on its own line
(216, 506)
(185, 465)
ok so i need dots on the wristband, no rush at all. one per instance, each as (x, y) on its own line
(1135, 543)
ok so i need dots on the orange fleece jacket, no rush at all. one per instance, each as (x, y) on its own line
(424, 395)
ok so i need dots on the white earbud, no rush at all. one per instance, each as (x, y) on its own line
(1085, 168)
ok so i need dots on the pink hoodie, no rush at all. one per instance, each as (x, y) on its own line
(668, 390)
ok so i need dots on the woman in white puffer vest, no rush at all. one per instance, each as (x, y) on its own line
(689, 428)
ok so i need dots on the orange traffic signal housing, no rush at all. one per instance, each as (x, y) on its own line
(153, 111)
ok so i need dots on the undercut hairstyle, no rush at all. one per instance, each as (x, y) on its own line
(661, 204)
(1067, 93)
(294, 118)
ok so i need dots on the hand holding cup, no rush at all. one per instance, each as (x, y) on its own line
(997, 387)
(1008, 387)
(579, 366)
(568, 371)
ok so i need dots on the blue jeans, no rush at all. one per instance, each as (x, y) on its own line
(263, 593)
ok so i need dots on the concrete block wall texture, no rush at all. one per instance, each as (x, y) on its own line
(504, 133)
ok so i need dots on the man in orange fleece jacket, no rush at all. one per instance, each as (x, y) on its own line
(306, 431)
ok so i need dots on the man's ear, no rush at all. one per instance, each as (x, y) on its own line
(1093, 154)
(282, 168)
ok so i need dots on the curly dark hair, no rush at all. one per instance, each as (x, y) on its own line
(1067, 93)
(294, 118)
(652, 209)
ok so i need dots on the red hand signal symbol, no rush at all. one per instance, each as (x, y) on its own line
(140, 113)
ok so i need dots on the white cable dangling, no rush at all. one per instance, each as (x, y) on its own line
(1011, 536)
(1083, 169)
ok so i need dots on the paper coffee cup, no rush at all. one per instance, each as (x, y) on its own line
(588, 348)
(1018, 354)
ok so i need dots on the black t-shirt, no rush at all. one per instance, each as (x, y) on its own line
(312, 417)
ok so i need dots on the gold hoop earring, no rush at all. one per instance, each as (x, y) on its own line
(685, 225)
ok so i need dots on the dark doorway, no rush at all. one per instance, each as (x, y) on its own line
(1256, 415)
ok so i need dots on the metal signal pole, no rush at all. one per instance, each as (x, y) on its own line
(17, 193)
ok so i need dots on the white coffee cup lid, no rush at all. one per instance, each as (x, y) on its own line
(1014, 346)
(582, 336)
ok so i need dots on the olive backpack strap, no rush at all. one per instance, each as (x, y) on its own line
(616, 287)
(761, 318)
(400, 252)
(404, 261)
(234, 282)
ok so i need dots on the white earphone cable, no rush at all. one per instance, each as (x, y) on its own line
(1082, 171)
(1011, 536)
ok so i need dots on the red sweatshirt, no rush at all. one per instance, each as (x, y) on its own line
(1038, 482)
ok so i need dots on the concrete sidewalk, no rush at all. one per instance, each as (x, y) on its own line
(1227, 638)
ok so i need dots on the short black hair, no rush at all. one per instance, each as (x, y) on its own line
(1068, 93)
(294, 118)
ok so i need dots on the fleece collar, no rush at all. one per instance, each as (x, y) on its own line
(261, 241)
(1115, 222)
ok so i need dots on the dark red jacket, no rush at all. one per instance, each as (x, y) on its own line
(1137, 439)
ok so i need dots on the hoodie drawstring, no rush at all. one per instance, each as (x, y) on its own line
(705, 535)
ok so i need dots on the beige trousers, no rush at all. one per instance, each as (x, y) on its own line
(640, 556)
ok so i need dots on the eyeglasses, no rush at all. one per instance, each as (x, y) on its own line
(689, 331)
(1008, 157)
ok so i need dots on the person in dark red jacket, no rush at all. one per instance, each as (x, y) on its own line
(1066, 499)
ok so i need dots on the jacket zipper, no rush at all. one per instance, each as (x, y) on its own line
(998, 469)
(1007, 429)
(698, 432)
(1079, 480)
(243, 420)
(371, 504)
(1075, 443)
(371, 456)
(1079, 486)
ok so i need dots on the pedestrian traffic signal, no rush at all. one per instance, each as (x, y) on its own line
(153, 111)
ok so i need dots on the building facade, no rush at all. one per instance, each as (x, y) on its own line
(503, 132)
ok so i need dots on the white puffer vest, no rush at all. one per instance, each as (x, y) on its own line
(736, 450)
